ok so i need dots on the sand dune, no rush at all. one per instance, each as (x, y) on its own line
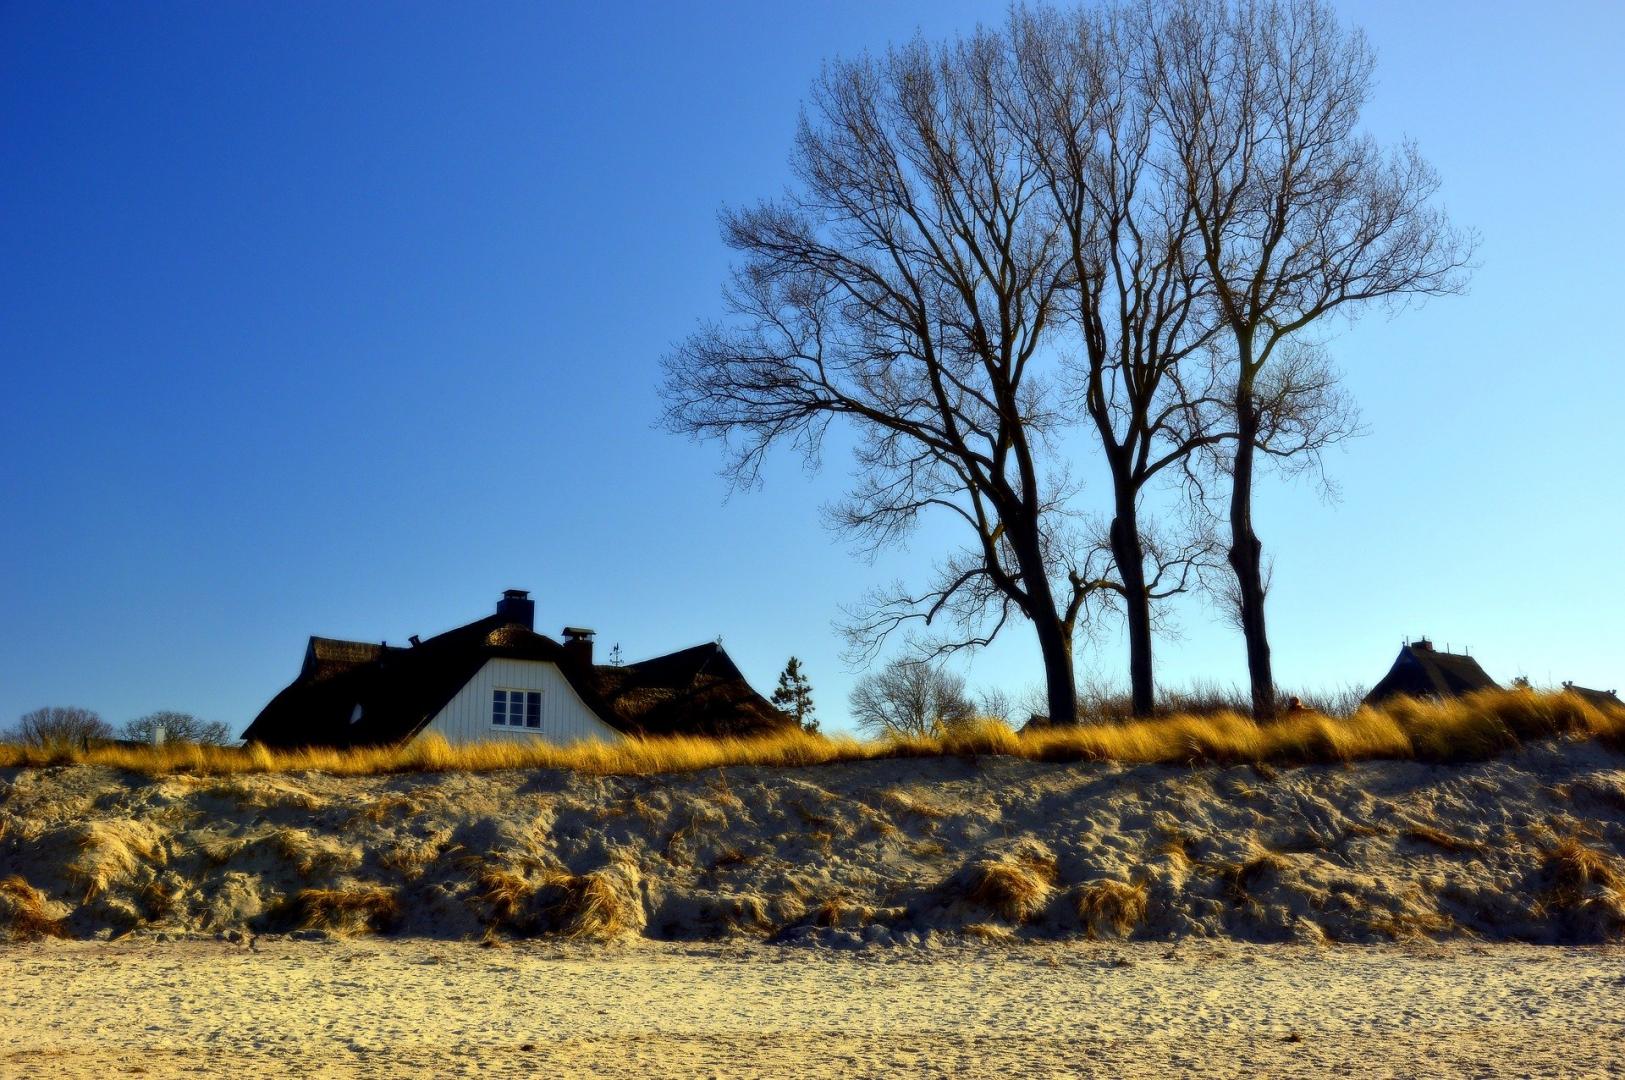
(1525, 847)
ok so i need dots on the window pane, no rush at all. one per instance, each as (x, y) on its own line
(499, 707)
(516, 709)
(533, 709)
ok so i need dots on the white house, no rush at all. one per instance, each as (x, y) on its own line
(496, 678)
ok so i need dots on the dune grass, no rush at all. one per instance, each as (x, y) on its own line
(1015, 886)
(345, 912)
(1111, 908)
(24, 914)
(1472, 728)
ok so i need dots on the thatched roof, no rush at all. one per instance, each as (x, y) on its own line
(1606, 700)
(1421, 671)
(675, 694)
(400, 689)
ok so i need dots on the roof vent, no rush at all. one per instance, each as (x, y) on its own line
(516, 606)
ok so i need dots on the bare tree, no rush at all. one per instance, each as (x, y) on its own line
(910, 697)
(905, 287)
(60, 725)
(996, 703)
(1137, 300)
(1297, 212)
(178, 727)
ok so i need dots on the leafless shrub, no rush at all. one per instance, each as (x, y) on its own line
(60, 728)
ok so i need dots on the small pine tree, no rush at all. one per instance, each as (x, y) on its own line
(794, 696)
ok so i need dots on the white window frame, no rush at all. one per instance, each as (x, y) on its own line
(520, 708)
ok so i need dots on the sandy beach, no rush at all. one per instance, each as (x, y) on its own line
(374, 1008)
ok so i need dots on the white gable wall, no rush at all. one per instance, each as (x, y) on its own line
(565, 717)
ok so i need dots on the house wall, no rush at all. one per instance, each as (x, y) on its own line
(565, 717)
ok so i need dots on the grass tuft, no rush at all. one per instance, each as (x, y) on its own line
(1111, 906)
(345, 912)
(599, 905)
(24, 912)
(1015, 886)
(1585, 879)
(111, 850)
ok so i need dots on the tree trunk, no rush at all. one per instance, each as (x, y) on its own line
(1129, 554)
(1059, 679)
(1054, 640)
(1246, 553)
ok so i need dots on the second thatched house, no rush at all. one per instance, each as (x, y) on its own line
(1603, 700)
(496, 678)
(1421, 671)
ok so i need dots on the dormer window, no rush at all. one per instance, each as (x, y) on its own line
(516, 708)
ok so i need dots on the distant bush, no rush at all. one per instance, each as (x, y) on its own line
(908, 698)
(59, 725)
(178, 727)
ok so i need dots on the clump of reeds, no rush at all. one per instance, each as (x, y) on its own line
(302, 849)
(345, 912)
(25, 913)
(597, 905)
(1404, 925)
(1585, 879)
(110, 850)
(593, 905)
(1114, 907)
(1015, 885)
(1242, 877)
(1470, 728)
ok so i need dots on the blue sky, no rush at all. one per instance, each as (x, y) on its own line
(342, 318)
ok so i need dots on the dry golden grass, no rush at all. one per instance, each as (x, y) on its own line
(1240, 877)
(1583, 877)
(1404, 926)
(597, 905)
(591, 906)
(111, 850)
(910, 802)
(340, 911)
(1015, 887)
(265, 795)
(840, 909)
(305, 851)
(1464, 729)
(1111, 906)
(1178, 845)
(24, 915)
(1427, 834)
(988, 933)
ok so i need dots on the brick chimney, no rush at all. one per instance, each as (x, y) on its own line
(578, 645)
(516, 606)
